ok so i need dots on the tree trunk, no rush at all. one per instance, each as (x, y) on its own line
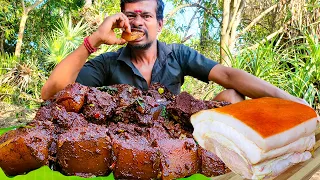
(204, 29)
(2, 42)
(20, 34)
(204, 33)
(224, 38)
(22, 26)
(232, 11)
(234, 25)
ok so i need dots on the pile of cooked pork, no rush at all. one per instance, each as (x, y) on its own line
(87, 131)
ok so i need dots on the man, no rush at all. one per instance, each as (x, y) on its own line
(146, 60)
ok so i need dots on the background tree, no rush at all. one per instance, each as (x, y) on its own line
(24, 16)
(9, 25)
(277, 41)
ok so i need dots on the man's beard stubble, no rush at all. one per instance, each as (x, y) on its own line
(141, 46)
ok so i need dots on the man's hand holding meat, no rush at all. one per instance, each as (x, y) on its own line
(105, 33)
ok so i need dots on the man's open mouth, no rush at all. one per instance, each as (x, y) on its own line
(134, 35)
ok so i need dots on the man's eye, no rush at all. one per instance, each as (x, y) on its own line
(131, 16)
(147, 16)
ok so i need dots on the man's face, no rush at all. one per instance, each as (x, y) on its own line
(142, 16)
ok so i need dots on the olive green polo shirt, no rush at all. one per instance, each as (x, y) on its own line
(174, 61)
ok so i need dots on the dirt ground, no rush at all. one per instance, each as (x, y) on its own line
(11, 115)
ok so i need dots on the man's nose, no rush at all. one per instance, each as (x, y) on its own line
(137, 21)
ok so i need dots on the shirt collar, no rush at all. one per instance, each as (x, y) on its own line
(163, 51)
(125, 54)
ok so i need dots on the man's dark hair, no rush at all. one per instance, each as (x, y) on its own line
(159, 10)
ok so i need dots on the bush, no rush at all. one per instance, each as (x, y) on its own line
(295, 69)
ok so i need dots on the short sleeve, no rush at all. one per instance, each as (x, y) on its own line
(193, 63)
(94, 72)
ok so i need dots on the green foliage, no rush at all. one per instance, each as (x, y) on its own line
(305, 69)
(266, 63)
(45, 173)
(63, 40)
(42, 20)
(95, 14)
(199, 89)
(9, 25)
(6, 92)
(21, 82)
(73, 35)
(57, 50)
(299, 85)
(283, 68)
(169, 37)
(312, 58)
(294, 69)
(8, 17)
(7, 62)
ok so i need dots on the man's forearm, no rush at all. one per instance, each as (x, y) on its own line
(247, 84)
(254, 87)
(250, 85)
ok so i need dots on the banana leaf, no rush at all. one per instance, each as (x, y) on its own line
(45, 173)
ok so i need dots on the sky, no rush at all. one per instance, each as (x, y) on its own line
(183, 19)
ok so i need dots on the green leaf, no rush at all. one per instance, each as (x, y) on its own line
(140, 102)
(4, 130)
(45, 173)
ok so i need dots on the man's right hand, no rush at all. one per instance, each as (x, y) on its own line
(67, 70)
(105, 33)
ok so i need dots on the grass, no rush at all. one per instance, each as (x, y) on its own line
(21, 82)
(7, 62)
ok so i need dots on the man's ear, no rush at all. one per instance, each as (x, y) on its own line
(160, 25)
